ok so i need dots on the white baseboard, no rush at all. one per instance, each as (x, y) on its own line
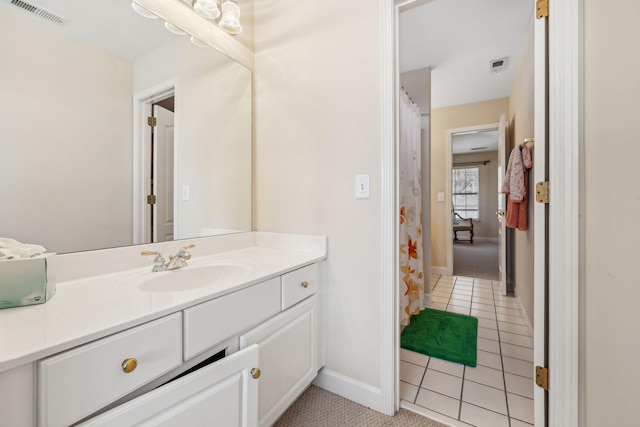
(526, 316)
(349, 388)
(439, 270)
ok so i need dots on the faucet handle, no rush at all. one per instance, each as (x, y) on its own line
(183, 251)
(158, 261)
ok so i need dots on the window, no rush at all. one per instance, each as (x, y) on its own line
(465, 184)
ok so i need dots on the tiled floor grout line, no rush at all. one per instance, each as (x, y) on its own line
(457, 290)
(464, 368)
(504, 377)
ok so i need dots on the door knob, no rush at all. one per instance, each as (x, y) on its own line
(500, 213)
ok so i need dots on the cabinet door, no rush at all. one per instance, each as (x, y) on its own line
(288, 358)
(223, 394)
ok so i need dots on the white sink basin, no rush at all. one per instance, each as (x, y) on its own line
(193, 277)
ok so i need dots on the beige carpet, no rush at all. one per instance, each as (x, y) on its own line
(479, 260)
(319, 408)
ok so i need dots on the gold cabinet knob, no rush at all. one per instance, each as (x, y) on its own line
(304, 284)
(255, 373)
(129, 365)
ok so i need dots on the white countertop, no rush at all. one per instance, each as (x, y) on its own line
(93, 307)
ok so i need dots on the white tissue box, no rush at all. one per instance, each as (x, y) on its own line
(27, 281)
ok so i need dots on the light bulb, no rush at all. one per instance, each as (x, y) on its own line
(198, 42)
(175, 30)
(230, 21)
(142, 11)
(207, 8)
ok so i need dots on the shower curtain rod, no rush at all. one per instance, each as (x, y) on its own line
(407, 93)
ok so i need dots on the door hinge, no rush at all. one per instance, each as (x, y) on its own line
(542, 377)
(542, 192)
(542, 9)
(151, 199)
(152, 121)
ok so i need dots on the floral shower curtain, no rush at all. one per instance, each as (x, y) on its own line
(411, 267)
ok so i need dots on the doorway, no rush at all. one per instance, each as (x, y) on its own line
(161, 211)
(474, 200)
(154, 213)
(479, 297)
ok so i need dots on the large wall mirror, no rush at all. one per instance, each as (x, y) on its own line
(78, 156)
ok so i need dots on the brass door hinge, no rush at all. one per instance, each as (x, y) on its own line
(152, 121)
(151, 199)
(542, 377)
(542, 192)
(542, 9)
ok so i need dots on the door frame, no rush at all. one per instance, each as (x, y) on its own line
(142, 108)
(565, 125)
(448, 169)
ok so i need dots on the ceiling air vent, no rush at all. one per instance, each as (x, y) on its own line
(497, 65)
(38, 11)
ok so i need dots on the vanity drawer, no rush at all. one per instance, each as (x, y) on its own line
(212, 322)
(78, 382)
(299, 284)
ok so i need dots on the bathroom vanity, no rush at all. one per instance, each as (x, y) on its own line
(233, 337)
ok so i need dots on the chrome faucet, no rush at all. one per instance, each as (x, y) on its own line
(178, 260)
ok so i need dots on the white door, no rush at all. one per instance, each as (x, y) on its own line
(502, 233)
(222, 394)
(540, 303)
(163, 175)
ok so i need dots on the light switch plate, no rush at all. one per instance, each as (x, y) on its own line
(362, 186)
(441, 196)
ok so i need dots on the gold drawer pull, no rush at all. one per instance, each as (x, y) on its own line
(129, 365)
(255, 373)
(304, 284)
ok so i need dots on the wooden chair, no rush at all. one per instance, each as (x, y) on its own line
(462, 224)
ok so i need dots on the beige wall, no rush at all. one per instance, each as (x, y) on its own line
(610, 285)
(318, 109)
(443, 119)
(488, 225)
(65, 116)
(520, 128)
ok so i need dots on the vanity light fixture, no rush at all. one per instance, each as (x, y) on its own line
(230, 21)
(198, 42)
(229, 17)
(142, 11)
(175, 30)
(207, 8)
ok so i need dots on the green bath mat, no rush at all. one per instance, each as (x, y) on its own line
(444, 335)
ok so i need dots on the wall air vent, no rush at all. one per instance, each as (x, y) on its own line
(38, 11)
(497, 65)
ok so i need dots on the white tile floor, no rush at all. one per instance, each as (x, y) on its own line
(499, 390)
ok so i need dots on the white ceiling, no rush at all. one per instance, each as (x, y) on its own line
(458, 39)
(475, 142)
(109, 24)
